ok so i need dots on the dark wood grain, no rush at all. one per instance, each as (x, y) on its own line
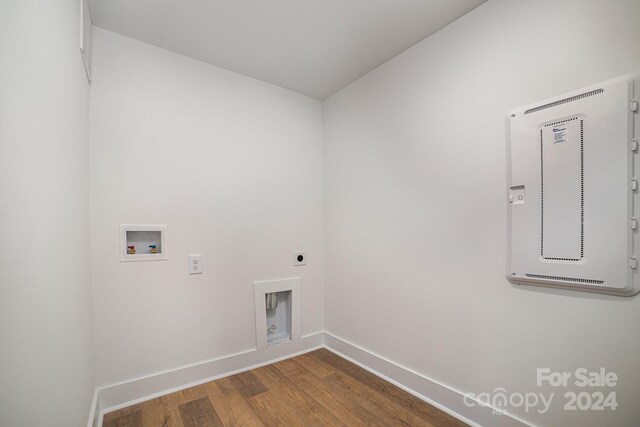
(347, 411)
(315, 389)
(232, 407)
(248, 384)
(286, 395)
(199, 413)
(395, 394)
(125, 419)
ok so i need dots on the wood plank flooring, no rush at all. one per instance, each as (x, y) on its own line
(314, 389)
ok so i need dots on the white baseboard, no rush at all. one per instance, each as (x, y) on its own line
(127, 393)
(439, 395)
(117, 396)
(95, 414)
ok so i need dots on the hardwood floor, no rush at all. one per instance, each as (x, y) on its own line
(314, 389)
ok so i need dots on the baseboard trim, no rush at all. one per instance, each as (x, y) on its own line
(116, 396)
(94, 412)
(439, 395)
(131, 392)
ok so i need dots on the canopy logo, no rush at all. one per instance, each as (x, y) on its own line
(500, 401)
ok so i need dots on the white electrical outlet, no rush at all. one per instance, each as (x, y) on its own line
(300, 258)
(195, 264)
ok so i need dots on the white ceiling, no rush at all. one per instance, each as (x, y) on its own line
(315, 47)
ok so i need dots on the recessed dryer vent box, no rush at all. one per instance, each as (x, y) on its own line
(278, 320)
(143, 242)
(572, 190)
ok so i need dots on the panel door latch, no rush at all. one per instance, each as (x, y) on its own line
(634, 106)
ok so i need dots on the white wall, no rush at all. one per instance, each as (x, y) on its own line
(233, 166)
(45, 320)
(415, 206)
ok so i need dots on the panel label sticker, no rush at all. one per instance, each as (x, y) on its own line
(560, 133)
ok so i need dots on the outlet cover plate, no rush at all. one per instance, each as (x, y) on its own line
(195, 264)
(299, 258)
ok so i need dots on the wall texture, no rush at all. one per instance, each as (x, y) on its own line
(45, 320)
(415, 173)
(233, 166)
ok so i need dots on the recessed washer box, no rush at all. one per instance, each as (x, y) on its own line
(143, 242)
(572, 190)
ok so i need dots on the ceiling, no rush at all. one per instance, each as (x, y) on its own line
(315, 47)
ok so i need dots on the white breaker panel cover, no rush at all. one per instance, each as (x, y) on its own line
(572, 190)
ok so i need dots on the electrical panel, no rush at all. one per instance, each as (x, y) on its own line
(572, 190)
